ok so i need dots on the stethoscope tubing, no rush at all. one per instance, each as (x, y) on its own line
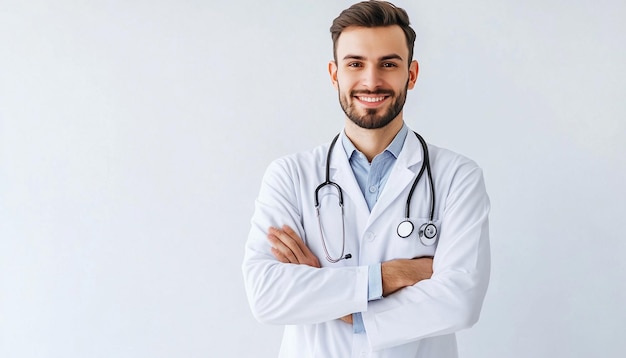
(426, 166)
(328, 182)
(317, 209)
(429, 226)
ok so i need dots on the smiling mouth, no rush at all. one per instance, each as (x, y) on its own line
(371, 99)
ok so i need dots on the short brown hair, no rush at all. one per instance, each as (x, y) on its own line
(373, 13)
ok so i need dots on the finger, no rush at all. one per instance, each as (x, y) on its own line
(280, 246)
(347, 319)
(308, 257)
(279, 256)
(294, 244)
(289, 231)
(284, 251)
(296, 239)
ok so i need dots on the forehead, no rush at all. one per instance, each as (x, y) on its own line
(372, 42)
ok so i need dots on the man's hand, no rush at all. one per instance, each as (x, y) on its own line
(402, 273)
(347, 319)
(288, 247)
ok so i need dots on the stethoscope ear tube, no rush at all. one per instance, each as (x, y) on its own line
(327, 181)
(317, 207)
(426, 166)
(428, 231)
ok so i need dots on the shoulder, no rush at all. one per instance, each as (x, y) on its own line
(293, 165)
(456, 175)
(449, 159)
(443, 160)
(451, 169)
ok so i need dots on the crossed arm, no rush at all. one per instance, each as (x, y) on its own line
(446, 302)
(288, 247)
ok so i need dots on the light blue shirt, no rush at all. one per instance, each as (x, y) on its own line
(371, 178)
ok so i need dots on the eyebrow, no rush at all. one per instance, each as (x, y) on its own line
(392, 56)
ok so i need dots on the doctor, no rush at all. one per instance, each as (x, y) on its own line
(346, 283)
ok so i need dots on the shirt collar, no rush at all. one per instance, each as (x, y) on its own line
(395, 147)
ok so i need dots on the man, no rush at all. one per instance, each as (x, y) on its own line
(348, 283)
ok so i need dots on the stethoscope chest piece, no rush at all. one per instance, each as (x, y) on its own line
(405, 229)
(428, 233)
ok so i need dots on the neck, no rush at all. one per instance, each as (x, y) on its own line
(372, 142)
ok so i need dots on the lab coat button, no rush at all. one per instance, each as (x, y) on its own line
(369, 236)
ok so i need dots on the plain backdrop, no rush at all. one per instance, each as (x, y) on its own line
(134, 135)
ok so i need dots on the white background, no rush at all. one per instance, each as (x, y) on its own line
(134, 134)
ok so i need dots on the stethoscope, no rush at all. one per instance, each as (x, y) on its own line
(427, 232)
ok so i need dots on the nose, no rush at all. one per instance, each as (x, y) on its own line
(372, 78)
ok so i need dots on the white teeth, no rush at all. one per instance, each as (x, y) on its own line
(371, 99)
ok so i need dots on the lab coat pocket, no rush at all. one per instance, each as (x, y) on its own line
(413, 246)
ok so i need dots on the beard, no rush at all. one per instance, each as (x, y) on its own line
(372, 119)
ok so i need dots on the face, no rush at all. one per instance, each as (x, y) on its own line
(372, 74)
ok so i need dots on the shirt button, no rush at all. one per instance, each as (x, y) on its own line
(373, 189)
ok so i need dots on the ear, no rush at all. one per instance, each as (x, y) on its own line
(332, 71)
(413, 71)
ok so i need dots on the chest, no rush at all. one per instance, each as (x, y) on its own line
(343, 224)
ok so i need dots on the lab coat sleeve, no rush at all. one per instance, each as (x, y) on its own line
(452, 298)
(280, 293)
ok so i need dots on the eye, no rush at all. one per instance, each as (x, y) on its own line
(389, 64)
(355, 64)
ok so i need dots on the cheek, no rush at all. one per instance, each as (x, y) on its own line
(343, 88)
(346, 80)
(401, 82)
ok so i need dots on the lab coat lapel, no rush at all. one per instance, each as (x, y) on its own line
(341, 173)
(402, 175)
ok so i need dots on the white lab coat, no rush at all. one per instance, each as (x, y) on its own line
(417, 321)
